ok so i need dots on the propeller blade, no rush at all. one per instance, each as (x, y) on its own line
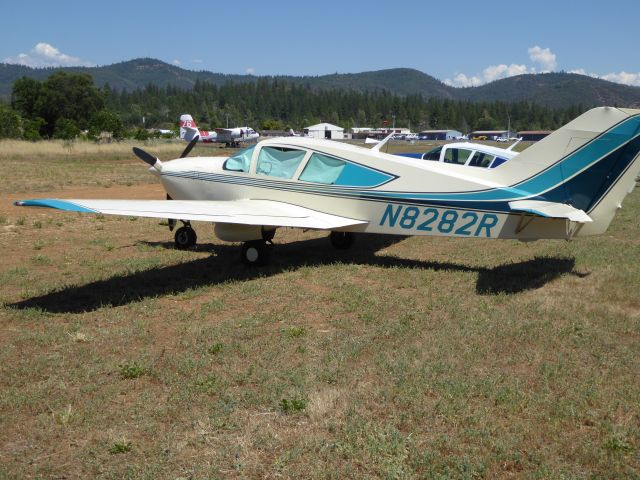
(144, 156)
(192, 144)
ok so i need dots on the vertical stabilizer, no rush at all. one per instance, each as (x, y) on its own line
(188, 128)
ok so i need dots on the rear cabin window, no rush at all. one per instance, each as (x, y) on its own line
(279, 162)
(498, 161)
(480, 159)
(458, 156)
(322, 169)
(241, 161)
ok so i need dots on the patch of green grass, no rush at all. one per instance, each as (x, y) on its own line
(212, 306)
(130, 370)
(617, 442)
(64, 416)
(122, 446)
(215, 349)
(210, 384)
(41, 260)
(295, 331)
(293, 405)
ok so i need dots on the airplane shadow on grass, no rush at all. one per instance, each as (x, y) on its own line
(225, 265)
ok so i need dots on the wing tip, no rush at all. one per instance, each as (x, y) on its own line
(64, 205)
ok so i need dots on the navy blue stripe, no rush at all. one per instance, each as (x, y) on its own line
(587, 189)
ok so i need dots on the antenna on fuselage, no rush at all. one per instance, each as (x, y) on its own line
(516, 142)
(376, 148)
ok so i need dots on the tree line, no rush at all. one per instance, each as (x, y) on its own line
(67, 105)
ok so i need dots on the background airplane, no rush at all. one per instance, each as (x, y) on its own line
(229, 136)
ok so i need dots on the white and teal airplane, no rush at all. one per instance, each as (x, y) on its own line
(569, 184)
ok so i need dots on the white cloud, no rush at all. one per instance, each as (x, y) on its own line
(46, 55)
(489, 74)
(502, 71)
(624, 78)
(177, 62)
(543, 56)
(251, 71)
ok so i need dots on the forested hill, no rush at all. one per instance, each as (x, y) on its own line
(556, 90)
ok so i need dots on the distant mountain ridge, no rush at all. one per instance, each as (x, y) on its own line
(557, 90)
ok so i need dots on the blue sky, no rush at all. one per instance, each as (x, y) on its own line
(462, 43)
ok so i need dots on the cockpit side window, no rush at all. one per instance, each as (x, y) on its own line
(458, 156)
(433, 154)
(241, 161)
(279, 161)
(322, 169)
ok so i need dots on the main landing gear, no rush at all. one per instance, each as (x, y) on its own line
(254, 253)
(341, 240)
(185, 237)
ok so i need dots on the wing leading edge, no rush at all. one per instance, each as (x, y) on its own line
(245, 212)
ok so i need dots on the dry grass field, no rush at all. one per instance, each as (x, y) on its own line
(122, 357)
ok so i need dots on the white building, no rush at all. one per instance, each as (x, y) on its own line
(325, 130)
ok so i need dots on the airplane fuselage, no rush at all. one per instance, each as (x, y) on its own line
(392, 208)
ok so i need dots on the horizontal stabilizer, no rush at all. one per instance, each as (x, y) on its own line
(245, 212)
(550, 209)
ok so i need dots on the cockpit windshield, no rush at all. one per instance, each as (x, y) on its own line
(241, 161)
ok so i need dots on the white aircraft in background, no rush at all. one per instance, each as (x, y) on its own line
(570, 184)
(229, 136)
(467, 153)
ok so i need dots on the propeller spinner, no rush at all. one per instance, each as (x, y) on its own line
(155, 162)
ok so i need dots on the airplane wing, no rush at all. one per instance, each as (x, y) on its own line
(223, 131)
(246, 212)
(550, 209)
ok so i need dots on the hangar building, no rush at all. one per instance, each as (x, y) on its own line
(325, 130)
(440, 134)
(533, 135)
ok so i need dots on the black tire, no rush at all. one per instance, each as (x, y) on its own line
(267, 235)
(254, 253)
(341, 240)
(185, 237)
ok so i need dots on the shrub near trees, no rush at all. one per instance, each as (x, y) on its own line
(60, 107)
